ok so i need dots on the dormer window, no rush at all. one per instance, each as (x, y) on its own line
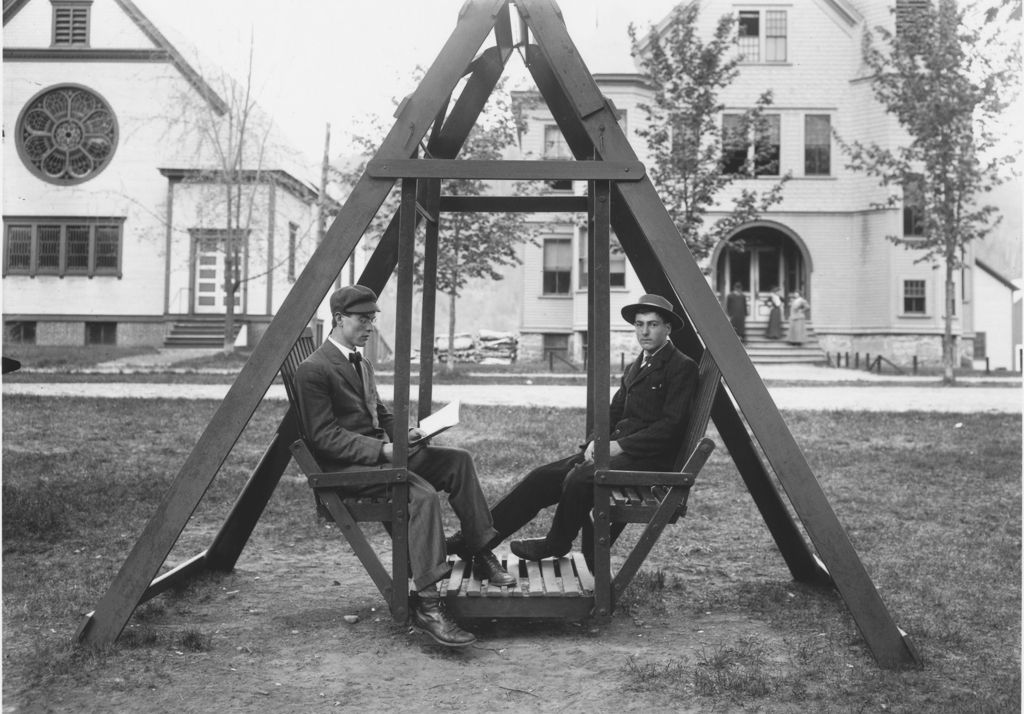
(71, 23)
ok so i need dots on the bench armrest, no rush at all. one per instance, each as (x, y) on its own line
(644, 478)
(684, 477)
(347, 477)
(358, 476)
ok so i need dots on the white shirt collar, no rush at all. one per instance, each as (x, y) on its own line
(647, 357)
(345, 351)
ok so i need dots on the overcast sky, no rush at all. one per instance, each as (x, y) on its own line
(336, 61)
(340, 61)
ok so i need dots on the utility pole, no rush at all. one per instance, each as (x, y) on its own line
(321, 228)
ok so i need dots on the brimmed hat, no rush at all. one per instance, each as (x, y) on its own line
(357, 299)
(656, 303)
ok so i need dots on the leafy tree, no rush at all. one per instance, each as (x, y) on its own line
(692, 157)
(935, 75)
(470, 245)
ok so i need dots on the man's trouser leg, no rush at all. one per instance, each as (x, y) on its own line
(577, 500)
(539, 489)
(452, 471)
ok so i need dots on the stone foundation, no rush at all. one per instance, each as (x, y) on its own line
(60, 333)
(624, 348)
(134, 334)
(129, 334)
(898, 349)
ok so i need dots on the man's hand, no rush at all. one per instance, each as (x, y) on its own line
(416, 433)
(388, 453)
(613, 450)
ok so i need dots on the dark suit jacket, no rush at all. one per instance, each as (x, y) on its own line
(651, 408)
(343, 420)
(736, 306)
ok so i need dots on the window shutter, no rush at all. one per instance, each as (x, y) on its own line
(79, 26)
(62, 26)
(71, 25)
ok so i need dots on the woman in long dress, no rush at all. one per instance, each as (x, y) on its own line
(774, 300)
(798, 307)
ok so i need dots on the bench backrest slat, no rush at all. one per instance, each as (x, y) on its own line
(708, 378)
(303, 348)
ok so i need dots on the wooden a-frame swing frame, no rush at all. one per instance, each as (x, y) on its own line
(646, 234)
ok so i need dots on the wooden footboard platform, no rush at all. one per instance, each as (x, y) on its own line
(556, 587)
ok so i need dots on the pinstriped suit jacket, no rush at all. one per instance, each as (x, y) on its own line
(343, 419)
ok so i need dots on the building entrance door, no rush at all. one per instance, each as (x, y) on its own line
(209, 296)
(762, 259)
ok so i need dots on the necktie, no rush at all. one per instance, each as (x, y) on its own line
(355, 358)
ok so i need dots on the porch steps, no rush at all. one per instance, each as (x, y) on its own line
(199, 331)
(761, 350)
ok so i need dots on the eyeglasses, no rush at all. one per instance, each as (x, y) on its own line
(363, 320)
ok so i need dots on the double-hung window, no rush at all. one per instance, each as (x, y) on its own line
(767, 146)
(735, 144)
(556, 148)
(913, 207)
(63, 246)
(557, 266)
(762, 34)
(616, 264)
(817, 145)
(914, 297)
(763, 153)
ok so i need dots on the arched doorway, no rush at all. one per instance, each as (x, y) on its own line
(759, 257)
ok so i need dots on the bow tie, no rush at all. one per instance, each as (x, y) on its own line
(355, 358)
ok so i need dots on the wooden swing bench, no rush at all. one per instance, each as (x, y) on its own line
(562, 587)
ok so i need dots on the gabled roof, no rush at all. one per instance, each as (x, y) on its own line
(995, 274)
(13, 7)
(844, 11)
(186, 69)
(280, 154)
(840, 11)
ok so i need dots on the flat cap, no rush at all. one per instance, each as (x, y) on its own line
(357, 299)
(653, 303)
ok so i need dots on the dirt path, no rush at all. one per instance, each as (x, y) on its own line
(276, 639)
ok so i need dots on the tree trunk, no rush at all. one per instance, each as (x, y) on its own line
(450, 364)
(948, 345)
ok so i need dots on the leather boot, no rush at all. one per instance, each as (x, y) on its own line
(429, 616)
(538, 549)
(488, 567)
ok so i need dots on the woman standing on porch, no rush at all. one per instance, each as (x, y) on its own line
(774, 301)
(798, 307)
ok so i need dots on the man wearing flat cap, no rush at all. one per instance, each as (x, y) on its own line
(648, 416)
(347, 425)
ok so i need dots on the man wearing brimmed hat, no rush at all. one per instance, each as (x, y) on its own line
(648, 416)
(346, 424)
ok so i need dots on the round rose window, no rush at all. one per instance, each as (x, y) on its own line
(66, 134)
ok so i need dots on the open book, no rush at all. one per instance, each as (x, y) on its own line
(444, 418)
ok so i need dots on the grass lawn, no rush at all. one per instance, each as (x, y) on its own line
(69, 357)
(932, 504)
